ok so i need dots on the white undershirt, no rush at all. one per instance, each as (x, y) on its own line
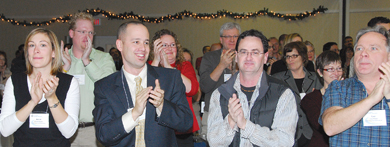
(9, 123)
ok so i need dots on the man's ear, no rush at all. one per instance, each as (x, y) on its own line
(266, 57)
(71, 33)
(119, 45)
(236, 58)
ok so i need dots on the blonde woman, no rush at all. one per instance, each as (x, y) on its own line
(41, 107)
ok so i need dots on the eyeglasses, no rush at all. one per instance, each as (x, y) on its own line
(245, 53)
(335, 50)
(86, 32)
(167, 45)
(333, 69)
(292, 56)
(229, 37)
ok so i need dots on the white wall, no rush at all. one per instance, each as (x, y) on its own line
(192, 33)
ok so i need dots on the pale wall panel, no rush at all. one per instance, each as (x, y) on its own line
(192, 33)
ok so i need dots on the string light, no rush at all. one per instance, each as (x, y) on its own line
(169, 17)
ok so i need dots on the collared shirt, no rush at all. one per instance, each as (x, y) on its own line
(345, 93)
(132, 85)
(101, 66)
(127, 119)
(283, 128)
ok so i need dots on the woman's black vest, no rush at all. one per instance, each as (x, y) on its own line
(39, 137)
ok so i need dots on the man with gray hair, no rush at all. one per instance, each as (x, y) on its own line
(217, 67)
(355, 111)
(376, 21)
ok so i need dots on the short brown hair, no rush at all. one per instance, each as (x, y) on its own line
(80, 15)
(123, 26)
(301, 49)
(326, 58)
(56, 63)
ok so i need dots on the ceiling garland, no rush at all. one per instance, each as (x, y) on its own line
(171, 17)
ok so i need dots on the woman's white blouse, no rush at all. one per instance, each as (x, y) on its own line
(9, 123)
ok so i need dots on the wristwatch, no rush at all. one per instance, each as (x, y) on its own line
(90, 60)
(55, 105)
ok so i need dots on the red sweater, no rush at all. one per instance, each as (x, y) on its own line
(188, 71)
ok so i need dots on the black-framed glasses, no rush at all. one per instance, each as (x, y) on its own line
(86, 32)
(292, 56)
(339, 69)
(229, 37)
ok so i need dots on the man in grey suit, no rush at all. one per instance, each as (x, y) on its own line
(216, 67)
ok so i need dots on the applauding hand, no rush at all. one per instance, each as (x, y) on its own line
(50, 87)
(36, 89)
(65, 57)
(87, 51)
(140, 102)
(157, 96)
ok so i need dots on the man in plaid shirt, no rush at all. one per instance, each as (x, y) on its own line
(355, 111)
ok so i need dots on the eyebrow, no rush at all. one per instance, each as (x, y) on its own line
(39, 41)
(250, 49)
(138, 39)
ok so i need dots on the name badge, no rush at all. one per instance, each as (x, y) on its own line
(202, 104)
(226, 77)
(39, 120)
(302, 95)
(80, 79)
(375, 118)
(1, 86)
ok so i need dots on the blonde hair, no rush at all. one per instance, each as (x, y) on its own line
(290, 37)
(56, 63)
(80, 15)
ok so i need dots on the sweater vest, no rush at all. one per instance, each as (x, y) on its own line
(264, 107)
(39, 137)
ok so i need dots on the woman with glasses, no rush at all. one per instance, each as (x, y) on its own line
(280, 65)
(328, 67)
(167, 52)
(41, 107)
(298, 78)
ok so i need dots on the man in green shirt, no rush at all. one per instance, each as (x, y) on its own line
(88, 66)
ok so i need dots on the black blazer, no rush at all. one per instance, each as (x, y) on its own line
(111, 104)
(310, 81)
